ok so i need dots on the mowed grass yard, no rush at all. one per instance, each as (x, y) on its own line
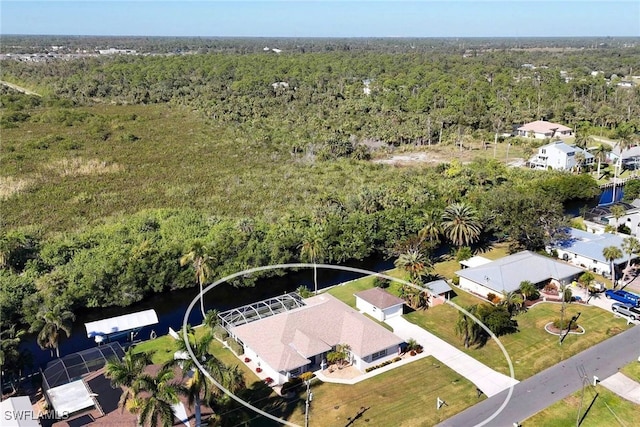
(565, 412)
(405, 396)
(531, 349)
(398, 397)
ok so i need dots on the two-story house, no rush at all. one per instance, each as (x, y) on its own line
(560, 156)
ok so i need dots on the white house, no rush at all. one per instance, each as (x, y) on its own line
(287, 344)
(560, 156)
(541, 129)
(506, 274)
(629, 158)
(379, 304)
(598, 218)
(584, 249)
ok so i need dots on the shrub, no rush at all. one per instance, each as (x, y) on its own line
(235, 347)
(306, 376)
(291, 385)
(550, 288)
(563, 325)
(220, 333)
(456, 281)
(381, 282)
(491, 296)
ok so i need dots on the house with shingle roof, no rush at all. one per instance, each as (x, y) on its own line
(541, 129)
(287, 344)
(506, 274)
(379, 304)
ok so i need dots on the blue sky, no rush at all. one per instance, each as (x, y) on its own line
(325, 18)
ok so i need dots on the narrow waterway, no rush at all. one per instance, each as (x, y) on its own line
(172, 306)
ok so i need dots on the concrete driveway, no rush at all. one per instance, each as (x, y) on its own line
(600, 301)
(486, 379)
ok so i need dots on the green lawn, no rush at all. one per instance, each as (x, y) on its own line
(565, 412)
(403, 396)
(531, 349)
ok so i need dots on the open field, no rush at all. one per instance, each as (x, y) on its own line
(68, 168)
(608, 409)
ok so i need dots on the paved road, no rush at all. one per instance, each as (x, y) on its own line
(486, 379)
(538, 392)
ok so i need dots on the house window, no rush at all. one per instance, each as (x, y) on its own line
(379, 354)
(295, 372)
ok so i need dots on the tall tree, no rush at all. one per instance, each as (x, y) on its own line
(612, 253)
(124, 373)
(466, 327)
(200, 260)
(52, 321)
(461, 224)
(631, 246)
(415, 263)
(9, 351)
(431, 228)
(198, 386)
(153, 397)
(313, 250)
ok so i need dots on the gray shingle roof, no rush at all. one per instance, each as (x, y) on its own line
(379, 298)
(287, 340)
(507, 273)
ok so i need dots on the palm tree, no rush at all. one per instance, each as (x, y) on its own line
(198, 386)
(431, 229)
(153, 397)
(53, 321)
(582, 139)
(513, 301)
(124, 373)
(201, 262)
(631, 246)
(528, 289)
(600, 154)
(466, 327)
(612, 253)
(461, 224)
(9, 350)
(618, 212)
(313, 249)
(415, 263)
(211, 319)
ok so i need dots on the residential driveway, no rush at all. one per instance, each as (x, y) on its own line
(600, 301)
(623, 386)
(486, 379)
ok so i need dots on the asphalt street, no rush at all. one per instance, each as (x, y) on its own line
(555, 383)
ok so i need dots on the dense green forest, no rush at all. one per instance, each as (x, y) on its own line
(124, 162)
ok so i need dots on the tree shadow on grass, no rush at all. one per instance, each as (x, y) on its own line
(260, 395)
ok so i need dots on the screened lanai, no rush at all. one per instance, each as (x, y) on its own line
(260, 310)
(72, 367)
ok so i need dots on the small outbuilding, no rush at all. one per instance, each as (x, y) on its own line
(440, 292)
(379, 304)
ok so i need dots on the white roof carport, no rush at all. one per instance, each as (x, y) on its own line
(122, 323)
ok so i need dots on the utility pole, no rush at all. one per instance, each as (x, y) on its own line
(306, 405)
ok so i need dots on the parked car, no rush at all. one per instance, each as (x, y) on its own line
(623, 297)
(626, 309)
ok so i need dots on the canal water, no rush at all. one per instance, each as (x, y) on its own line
(172, 306)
